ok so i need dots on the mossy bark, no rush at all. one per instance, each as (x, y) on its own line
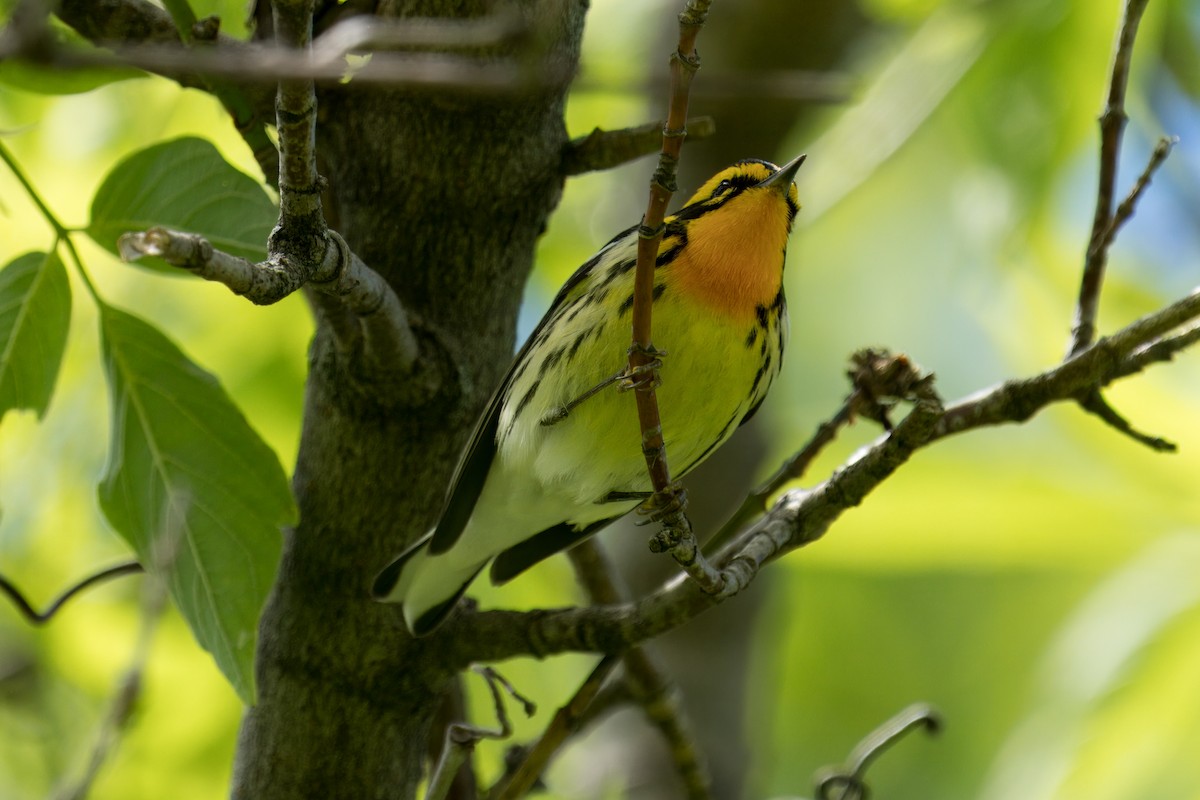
(444, 193)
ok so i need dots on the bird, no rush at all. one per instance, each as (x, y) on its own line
(556, 454)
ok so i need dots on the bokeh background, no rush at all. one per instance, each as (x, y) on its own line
(1039, 584)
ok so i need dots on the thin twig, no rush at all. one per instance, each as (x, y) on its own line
(383, 321)
(1125, 210)
(650, 686)
(669, 503)
(1112, 127)
(1106, 222)
(36, 617)
(879, 380)
(601, 149)
(132, 24)
(461, 737)
(1165, 349)
(565, 722)
(1094, 403)
(791, 470)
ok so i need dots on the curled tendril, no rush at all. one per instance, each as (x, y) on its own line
(847, 782)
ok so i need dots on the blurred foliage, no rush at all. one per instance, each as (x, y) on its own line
(1036, 583)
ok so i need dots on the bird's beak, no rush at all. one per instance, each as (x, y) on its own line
(782, 180)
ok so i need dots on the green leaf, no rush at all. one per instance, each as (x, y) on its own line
(185, 185)
(35, 311)
(193, 488)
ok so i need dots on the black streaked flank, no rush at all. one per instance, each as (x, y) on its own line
(758, 376)
(551, 360)
(528, 398)
(760, 311)
(617, 270)
(752, 337)
(628, 303)
(580, 338)
(574, 312)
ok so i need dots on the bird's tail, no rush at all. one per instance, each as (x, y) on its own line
(428, 587)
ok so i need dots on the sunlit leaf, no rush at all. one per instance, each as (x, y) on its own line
(186, 185)
(35, 311)
(193, 488)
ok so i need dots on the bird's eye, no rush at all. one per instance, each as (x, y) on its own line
(722, 188)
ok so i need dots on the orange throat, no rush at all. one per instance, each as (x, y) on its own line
(734, 264)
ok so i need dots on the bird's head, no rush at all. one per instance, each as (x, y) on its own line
(747, 189)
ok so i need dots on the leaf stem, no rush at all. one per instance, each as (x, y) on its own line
(61, 232)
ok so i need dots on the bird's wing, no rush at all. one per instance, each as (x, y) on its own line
(524, 554)
(476, 461)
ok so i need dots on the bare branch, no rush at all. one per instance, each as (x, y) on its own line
(801, 517)
(1094, 403)
(262, 284)
(601, 149)
(1162, 350)
(1129, 204)
(669, 503)
(880, 380)
(301, 250)
(653, 690)
(1112, 127)
(461, 738)
(41, 617)
(565, 722)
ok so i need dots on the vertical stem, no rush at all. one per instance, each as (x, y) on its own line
(1112, 127)
(684, 63)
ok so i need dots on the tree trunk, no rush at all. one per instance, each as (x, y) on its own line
(444, 193)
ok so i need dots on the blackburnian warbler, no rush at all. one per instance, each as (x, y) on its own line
(553, 459)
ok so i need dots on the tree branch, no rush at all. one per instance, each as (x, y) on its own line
(649, 684)
(601, 149)
(302, 250)
(669, 501)
(1112, 127)
(565, 722)
(801, 517)
(462, 737)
